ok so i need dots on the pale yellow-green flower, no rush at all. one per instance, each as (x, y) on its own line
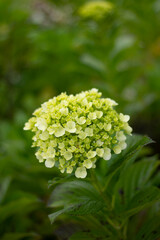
(69, 169)
(107, 153)
(49, 163)
(99, 143)
(27, 126)
(81, 172)
(99, 114)
(96, 9)
(122, 145)
(82, 135)
(73, 132)
(59, 131)
(124, 118)
(41, 124)
(64, 111)
(100, 152)
(44, 135)
(68, 155)
(107, 126)
(88, 164)
(81, 120)
(120, 136)
(117, 149)
(89, 131)
(70, 127)
(91, 154)
(92, 115)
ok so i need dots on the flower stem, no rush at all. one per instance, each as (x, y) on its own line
(97, 185)
(111, 215)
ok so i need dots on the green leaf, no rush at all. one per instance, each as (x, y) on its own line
(77, 197)
(156, 179)
(135, 144)
(4, 187)
(54, 215)
(86, 208)
(79, 209)
(133, 179)
(141, 200)
(82, 235)
(19, 236)
(150, 229)
(58, 180)
(119, 163)
(72, 192)
(18, 206)
(90, 235)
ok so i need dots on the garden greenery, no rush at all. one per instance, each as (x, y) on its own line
(48, 47)
(73, 132)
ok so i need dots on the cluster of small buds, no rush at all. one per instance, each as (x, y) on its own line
(73, 132)
(96, 9)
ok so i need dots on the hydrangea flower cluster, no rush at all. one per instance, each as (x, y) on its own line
(73, 132)
(96, 9)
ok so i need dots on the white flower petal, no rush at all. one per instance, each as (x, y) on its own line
(81, 172)
(120, 136)
(100, 152)
(107, 153)
(70, 127)
(117, 149)
(64, 111)
(49, 163)
(92, 115)
(87, 163)
(39, 157)
(89, 131)
(60, 131)
(106, 156)
(99, 114)
(27, 126)
(99, 143)
(122, 145)
(81, 120)
(124, 118)
(82, 135)
(69, 169)
(91, 154)
(68, 155)
(107, 127)
(44, 135)
(41, 124)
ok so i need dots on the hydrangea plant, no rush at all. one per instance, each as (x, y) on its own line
(74, 132)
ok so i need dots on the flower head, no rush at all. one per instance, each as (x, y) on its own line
(73, 132)
(96, 9)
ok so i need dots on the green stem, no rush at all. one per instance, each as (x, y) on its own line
(97, 185)
(106, 199)
(125, 230)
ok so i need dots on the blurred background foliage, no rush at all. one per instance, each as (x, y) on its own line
(52, 46)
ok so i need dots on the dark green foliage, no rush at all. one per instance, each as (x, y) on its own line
(78, 197)
(79, 209)
(150, 230)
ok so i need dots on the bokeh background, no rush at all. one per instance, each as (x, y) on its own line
(48, 47)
